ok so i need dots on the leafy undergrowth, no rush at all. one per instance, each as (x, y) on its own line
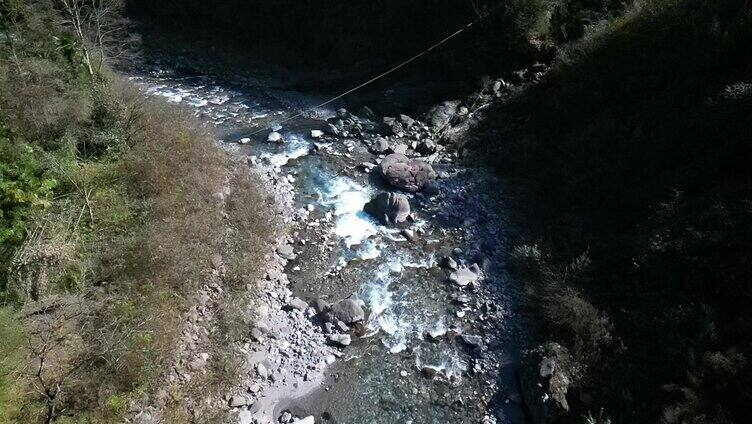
(111, 208)
(635, 151)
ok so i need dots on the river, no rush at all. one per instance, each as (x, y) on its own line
(381, 376)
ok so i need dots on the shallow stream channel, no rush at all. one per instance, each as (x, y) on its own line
(429, 350)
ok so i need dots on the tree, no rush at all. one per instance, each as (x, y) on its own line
(102, 31)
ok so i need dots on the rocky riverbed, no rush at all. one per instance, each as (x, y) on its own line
(388, 299)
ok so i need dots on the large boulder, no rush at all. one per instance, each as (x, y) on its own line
(546, 375)
(405, 173)
(441, 114)
(389, 208)
(349, 311)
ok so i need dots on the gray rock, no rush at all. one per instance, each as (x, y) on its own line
(262, 371)
(341, 326)
(426, 147)
(472, 341)
(320, 305)
(436, 333)
(238, 401)
(348, 310)
(409, 235)
(389, 208)
(449, 263)
(392, 126)
(381, 145)
(286, 251)
(330, 129)
(429, 372)
(463, 277)
(441, 115)
(399, 148)
(297, 304)
(317, 133)
(342, 113)
(406, 121)
(456, 134)
(406, 174)
(256, 334)
(340, 339)
(366, 113)
(275, 137)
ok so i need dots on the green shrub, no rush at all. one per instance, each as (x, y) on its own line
(25, 189)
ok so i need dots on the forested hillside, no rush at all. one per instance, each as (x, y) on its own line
(107, 219)
(631, 164)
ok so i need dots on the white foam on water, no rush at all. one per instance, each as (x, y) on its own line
(296, 146)
(447, 360)
(369, 250)
(197, 101)
(348, 198)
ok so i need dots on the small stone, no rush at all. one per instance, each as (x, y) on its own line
(317, 134)
(237, 401)
(429, 372)
(340, 339)
(403, 373)
(262, 371)
(470, 340)
(449, 263)
(286, 252)
(297, 304)
(255, 388)
(463, 277)
(436, 333)
(244, 140)
(399, 149)
(342, 326)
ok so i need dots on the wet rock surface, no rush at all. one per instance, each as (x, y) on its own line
(389, 208)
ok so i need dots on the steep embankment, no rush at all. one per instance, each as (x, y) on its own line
(113, 212)
(632, 160)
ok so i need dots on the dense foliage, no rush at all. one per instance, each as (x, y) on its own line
(107, 223)
(635, 150)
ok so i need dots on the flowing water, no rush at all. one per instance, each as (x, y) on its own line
(380, 377)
